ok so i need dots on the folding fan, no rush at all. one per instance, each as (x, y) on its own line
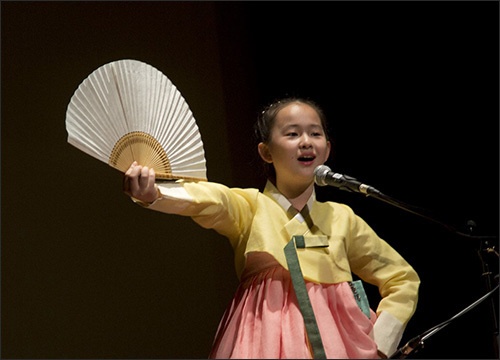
(127, 110)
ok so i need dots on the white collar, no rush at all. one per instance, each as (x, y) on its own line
(273, 191)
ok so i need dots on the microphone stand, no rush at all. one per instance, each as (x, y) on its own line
(416, 211)
(417, 342)
(486, 250)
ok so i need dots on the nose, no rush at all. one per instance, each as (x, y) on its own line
(305, 142)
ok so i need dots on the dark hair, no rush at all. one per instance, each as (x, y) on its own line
(267, 117)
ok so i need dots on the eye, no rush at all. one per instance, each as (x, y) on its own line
(291, 133)
(316, 134)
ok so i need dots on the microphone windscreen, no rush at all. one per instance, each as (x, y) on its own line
(320, 174)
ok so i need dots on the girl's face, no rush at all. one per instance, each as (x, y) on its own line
(297, 145)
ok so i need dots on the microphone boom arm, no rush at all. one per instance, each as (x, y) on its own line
(324, 176)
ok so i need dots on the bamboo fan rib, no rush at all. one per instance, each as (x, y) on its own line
(127, 110)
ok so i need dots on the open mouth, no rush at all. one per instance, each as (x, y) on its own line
(306, 158)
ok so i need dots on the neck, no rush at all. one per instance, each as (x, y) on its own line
(298, 196)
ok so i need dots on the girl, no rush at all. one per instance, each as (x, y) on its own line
(294, 255)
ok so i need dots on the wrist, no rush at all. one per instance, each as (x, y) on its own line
(145, 203)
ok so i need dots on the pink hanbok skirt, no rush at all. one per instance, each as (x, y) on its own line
(264, 319)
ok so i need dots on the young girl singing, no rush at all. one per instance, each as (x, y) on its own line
(295, 256)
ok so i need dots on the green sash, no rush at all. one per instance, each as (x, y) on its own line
(299, 286)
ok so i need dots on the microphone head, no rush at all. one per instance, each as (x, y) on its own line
(320, 175)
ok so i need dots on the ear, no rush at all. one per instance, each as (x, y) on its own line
(329, 147)
(264, 153)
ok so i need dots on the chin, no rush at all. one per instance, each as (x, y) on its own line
(306, 177)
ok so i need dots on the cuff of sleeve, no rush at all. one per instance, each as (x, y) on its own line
(173, 198)
(148, 204)
(387, 333)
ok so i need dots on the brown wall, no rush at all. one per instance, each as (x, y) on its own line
(89, 273)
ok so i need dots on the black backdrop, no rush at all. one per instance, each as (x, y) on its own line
(411, 91)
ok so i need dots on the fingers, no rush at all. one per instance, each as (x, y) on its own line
(130, 180)
(139, 181)
(146, 179)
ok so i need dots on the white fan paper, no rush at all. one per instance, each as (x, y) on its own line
(128, 110)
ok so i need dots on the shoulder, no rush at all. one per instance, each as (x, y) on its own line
(337, 207)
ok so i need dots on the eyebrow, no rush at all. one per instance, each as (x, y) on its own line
(312, 126)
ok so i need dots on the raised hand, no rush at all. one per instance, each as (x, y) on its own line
(139, 183)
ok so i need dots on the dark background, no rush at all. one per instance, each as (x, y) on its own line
(411, 92)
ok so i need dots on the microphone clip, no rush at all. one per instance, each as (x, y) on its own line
(411, 346)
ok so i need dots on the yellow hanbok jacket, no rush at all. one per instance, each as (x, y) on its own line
(261, 221)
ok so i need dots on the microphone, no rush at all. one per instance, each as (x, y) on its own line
(323, 176)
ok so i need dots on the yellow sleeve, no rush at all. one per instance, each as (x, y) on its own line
(377, 263)
(229, 211)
